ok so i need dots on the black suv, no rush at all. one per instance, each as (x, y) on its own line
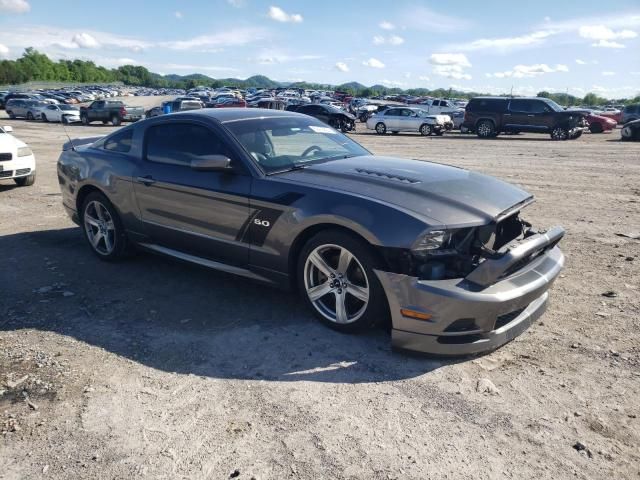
(489, 116)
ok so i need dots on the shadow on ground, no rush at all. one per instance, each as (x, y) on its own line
(180, 318)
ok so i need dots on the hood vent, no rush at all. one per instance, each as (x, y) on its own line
(387, 176)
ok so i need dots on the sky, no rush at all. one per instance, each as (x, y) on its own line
(490, 46)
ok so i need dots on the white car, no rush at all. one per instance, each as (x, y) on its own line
(57, 113)
(16, 159)
(408, 119)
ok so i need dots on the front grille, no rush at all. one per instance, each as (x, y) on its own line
(23, 171)
(6, 174)
(507, 318)
(5, 156)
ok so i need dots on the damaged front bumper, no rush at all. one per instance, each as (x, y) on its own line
(490, 307)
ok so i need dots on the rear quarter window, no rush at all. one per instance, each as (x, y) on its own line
(493, 105)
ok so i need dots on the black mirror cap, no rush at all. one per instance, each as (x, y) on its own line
(211, 163)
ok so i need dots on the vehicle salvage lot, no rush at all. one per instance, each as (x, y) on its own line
(156, 369)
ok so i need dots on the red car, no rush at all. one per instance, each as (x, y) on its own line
(600, 123)
(612, 114)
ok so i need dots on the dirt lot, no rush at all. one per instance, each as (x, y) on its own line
(156, 369)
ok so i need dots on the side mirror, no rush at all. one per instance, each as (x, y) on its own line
(8, 128)
(211, 163)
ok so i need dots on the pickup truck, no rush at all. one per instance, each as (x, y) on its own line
(112, 111)
(437, 107)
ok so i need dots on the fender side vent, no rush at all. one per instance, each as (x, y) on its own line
(387, 176)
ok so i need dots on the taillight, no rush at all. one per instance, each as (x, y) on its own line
(123, 111)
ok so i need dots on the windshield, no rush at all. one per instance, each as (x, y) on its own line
(285, 143)
(554, 106)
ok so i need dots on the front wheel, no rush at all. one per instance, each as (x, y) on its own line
(26, 181)
(559, 133)
(426, 130)
(103, 228)
(44, 118)
(381, 128)
(115, 120)
(486, 129)
(84, 119)
(29, 116)
(336, 278)
(595, 128)
(626, 134)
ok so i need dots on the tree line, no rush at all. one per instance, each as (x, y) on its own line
(36, 66)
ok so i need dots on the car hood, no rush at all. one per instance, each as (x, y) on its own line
(439, 194)
(8, 143)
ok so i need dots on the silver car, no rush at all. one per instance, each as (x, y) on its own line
(407, 119)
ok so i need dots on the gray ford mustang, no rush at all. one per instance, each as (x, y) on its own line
(282, 198)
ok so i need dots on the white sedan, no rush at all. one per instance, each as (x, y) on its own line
(57, 113)
(16, 159)
(409, 119)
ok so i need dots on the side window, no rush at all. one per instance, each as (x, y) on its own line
(406, 112)
(179, 143)
(52, 107)
(392, 112)
(539, 107)
(521, 106)
(119, 142)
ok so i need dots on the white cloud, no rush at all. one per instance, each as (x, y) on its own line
(607, 44)
(394, 40)
(608, 74)
(506, 43)
(528, 71)
(580, 62)
(178, 15)
(229, 38)
(343, 67)
(14, 6)
(279, 15)
(274, 57)
(450, 65)
(84, 40)
(373, 63)
(449, 59)
(387, 25)
(423, 18)
(195, 68)
(600, 32)
(4, 50)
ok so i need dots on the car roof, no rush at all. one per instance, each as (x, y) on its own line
(235, 114)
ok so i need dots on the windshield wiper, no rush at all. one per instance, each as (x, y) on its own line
(288, 169)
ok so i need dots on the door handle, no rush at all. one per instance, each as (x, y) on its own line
(146, 180)
(529, 115)
(507, 114)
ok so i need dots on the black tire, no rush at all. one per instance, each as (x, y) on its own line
(29, 116)
(85, 120)
(116, 120)
(426, 129)
(26, 181)
(381, 128)
(122, 247)
(105, 122)
(576, 135)
(376, 310)
(626, 133)
(64, 120)
(43, 117)
(11, 115)
(559, 133)
(485, 129)
(595, 128)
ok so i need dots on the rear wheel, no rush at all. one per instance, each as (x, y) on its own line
(381, 128)
(26, 181)
(84, 119)
(626, 133)
(103, 228)
(29, 116)
(426, 130)
(336, 278)
(116, 120)
(559, 133)
(486, 129)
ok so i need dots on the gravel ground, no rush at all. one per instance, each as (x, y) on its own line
(157, 369)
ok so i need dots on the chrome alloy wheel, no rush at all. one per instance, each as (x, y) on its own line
(336, 284)
(484, 129)
(559, 133)
(99, 227)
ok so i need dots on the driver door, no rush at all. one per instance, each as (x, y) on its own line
(197, 212)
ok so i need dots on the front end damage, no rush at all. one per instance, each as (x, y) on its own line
(478, 289)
